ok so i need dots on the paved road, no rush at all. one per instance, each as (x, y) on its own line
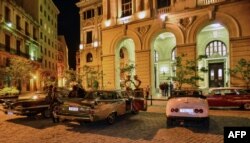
(144, 127)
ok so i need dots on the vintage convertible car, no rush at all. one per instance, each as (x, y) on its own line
(187, 106)
(228, 97)
(31, 104)
(98, 105)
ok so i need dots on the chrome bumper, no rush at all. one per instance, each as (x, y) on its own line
(90, 118)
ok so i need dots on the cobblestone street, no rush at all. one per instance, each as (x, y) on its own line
(144, 127)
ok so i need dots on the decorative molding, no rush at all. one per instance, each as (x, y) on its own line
(143, 29)
(184, 23)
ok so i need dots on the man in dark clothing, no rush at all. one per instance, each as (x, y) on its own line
(77, 92)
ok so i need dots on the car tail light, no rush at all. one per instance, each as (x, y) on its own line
(198, 110)
(174, 110)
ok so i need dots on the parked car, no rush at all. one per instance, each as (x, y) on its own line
(228, 97)
(187, 106)
(31, 104)
(98, 105)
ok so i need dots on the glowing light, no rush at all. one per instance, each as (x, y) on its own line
(95, 44)
(163, 17)
(107, 23)
(34, 97)
(216, 25)
(81, 46)
(9, 24)
(142, 15)
(164, 70)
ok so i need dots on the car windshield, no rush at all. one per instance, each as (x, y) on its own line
(187, 93)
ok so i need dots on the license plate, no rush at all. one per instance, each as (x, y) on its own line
(10, 113)
(73, 109)
(186, 110)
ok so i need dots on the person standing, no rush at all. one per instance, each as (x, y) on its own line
(171, 86)
(166, 89)
(147, 91)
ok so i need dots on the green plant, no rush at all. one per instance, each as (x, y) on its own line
(242, 71)
(128, 69)
(187, 71)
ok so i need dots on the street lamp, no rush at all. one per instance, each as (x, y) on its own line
(81, 46)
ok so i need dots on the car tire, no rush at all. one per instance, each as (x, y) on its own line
(246, 106)
(46, 113)
(111, 118)
(169, 123)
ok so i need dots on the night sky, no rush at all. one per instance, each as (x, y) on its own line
(69, 26)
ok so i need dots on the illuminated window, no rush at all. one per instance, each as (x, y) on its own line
(89, 58)
(216, 47)
(126, 7)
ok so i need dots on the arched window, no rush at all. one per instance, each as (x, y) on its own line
(156, 56)
(173, 54)
(121, 54)
(216, 47)
(89, 58)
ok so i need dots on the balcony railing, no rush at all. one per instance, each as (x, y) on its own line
(208, 2)
(163, 10)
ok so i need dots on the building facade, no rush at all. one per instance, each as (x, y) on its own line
(29, 30)
(149, 34)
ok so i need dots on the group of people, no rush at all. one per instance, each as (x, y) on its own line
(166, 88)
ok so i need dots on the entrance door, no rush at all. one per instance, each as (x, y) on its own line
(216, 74)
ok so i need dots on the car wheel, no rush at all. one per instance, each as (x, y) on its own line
(111, 118)
(46, 113)
(246, 106)
(169, 123)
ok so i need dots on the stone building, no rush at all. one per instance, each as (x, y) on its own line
(29, 29)
(149, 34)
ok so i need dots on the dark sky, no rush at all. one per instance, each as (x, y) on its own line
(69, 26)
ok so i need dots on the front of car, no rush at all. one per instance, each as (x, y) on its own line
(184, 108)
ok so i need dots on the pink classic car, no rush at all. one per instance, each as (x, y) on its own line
(228, 97)
(188, 106)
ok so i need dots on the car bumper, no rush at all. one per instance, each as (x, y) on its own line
(25, 110)
(188, 118)
(89, 118)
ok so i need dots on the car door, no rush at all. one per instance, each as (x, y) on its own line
(119, 103)
(215, 98)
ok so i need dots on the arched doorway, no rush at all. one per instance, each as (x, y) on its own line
(124, 61)
(213, 41)
(163, 47)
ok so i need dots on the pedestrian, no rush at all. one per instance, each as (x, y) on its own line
(171, 86)
(73, 92)
(166, 89)
(48, 98)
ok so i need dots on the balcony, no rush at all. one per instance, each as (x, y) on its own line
(163, 10)
(208, 2)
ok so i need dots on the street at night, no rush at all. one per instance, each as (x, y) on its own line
(147, 126)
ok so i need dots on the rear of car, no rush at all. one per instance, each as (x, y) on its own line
(96, 105)
(187, 107)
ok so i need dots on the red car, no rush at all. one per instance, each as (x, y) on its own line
(229, 97)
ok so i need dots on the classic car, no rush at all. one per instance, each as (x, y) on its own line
(98, 105)
(187, 106)
(31, 104)
(228, 97)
